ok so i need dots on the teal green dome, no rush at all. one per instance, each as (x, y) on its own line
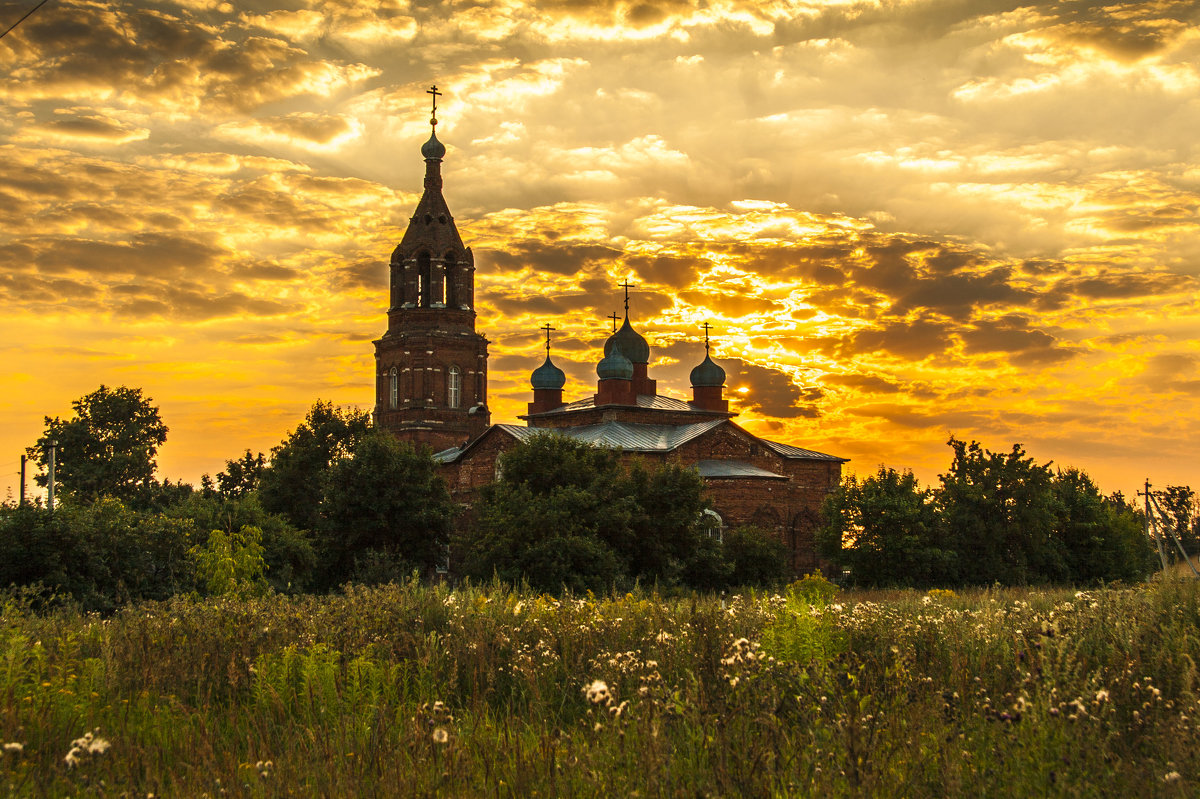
(614, 364)
(630, 342)
(433, 148)
(548, 376)
(708, 373)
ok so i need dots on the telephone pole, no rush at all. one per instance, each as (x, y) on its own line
(50, 477)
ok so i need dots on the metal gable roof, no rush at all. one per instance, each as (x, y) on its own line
(657, 402)
(788, 451)
(713, 468)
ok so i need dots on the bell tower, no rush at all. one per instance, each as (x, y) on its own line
(431, 365)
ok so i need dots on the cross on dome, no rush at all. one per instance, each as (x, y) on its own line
(627, 286)
(707, 327)
(433, 90)
(614, 316)
(548, 330)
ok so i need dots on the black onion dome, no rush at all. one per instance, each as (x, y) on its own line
(630, 342)
(708, 374)
(615, 365)
(548, 376)
(433, 148)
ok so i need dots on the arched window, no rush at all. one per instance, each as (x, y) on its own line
(424, 279)
(711, 524)
(393, 388)
(451, 281)
(453, 387)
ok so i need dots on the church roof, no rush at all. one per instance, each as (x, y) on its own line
(624, 435)
(788, 451)
(656, 401)
(714, 468)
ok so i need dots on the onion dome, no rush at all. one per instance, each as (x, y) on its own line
(708, 373)
(629, 342)
(433, 148)
(548, 376)
(614, 365)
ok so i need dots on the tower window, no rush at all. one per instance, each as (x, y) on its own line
(451, 281)
(393, 388)
(424, 279)
(453, 387)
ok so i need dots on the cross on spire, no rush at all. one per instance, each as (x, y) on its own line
(433, 90)
(707, 327)
(614, 316)
(548, 330)
(627, 286)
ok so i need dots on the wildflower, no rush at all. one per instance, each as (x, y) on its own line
(597, 692)
(14, 747)
(1171, 776)
(440, 736)
(1102, 695)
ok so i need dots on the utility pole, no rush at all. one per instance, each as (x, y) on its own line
(22, 502)
(50, 477)
(1151, 526)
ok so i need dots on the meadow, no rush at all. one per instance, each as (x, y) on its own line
(416, 690)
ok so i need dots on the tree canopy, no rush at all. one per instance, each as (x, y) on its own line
(107, 448)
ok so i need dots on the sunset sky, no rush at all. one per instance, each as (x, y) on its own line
(904, 220)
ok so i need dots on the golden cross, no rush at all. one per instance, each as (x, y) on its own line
(627, 286)
(433, 90)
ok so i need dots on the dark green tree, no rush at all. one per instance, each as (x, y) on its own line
(103, 554)
(293, 483)
(241, 476)
(552, 518)
(1001, 511)
(289, 554)
(663, 534)
(756, 557)
(385, 511)
(1103, 537)
(1179, 512)
(107, 448)
(885, 530)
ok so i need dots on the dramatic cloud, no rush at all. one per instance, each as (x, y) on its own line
(901, 220)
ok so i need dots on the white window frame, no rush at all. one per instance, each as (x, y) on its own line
(453, 387)
(394, 388)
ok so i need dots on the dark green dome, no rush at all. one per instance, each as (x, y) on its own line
(630, 342)
(615, 364)
(708, 373)
(548, 376)
(433, 148)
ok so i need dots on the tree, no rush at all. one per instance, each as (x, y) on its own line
(107, 448)
(385, 510)
(1179, 511)
(241, 476)
(564, 513)
(288, 553)
(885, 530)
(755, 556)
(1001, 511)
(551, 518)
(293, 482)
(1103, 537)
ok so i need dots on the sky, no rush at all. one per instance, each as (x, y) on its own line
(905, 221)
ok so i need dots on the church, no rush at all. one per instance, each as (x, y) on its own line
(431, 389)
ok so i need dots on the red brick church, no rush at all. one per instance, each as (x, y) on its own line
(431, 388)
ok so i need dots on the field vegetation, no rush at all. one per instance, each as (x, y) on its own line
(417, 690)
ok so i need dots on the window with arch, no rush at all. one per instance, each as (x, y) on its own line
(711, 524)
(453, 387)
(393, 388)
(451, 281)
(424, 279)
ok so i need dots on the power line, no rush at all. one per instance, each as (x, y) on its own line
(28, 14)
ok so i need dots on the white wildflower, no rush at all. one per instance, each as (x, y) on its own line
(597, 692)
(14, 747)
(1171, 776)
(440, 736)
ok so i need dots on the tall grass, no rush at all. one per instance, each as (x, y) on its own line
(412, 690)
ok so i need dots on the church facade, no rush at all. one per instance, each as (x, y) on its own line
(431, 388)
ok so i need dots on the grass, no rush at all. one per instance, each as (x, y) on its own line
(413, 690)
